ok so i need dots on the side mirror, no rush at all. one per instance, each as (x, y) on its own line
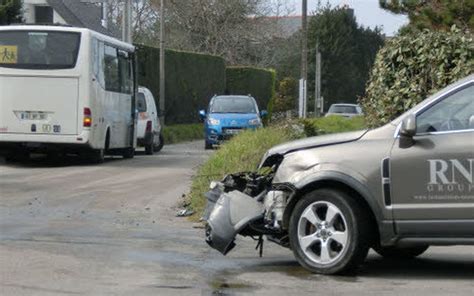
(263, 113)
(202, 114)
(408, 128)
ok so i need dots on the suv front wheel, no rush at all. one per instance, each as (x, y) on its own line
(330, 233)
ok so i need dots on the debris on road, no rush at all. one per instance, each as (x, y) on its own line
(184, 213)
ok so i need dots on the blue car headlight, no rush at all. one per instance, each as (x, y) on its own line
(255, 121)
(213, 121)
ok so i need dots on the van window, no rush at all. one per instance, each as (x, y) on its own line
(141, 102)
(41, 50)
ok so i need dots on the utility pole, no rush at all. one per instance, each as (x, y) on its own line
(317, 88)
(105, 13)
(127, 22)
(162, 62)
(304, 56)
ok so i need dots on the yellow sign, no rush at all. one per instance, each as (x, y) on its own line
(8, 54)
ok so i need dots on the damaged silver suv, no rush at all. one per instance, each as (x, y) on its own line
(397, 189)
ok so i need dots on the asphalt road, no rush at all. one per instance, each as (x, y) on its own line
(68, 228)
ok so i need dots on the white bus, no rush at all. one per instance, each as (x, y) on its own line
(66, 90)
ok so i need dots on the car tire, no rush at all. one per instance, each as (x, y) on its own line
(149, 147)
(160, 145)
(342, 239)
(128, 153)
(207, 146)
(394, 252)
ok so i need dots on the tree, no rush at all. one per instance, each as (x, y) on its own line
(244, 32)
(10, 12)
(145, 19)
(434, 14)
(348, 51)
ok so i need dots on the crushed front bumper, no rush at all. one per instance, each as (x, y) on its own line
(232, 212)
(244, 204)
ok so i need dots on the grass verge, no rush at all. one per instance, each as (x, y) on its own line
(332, 124)
(177, 133)
(242, 153)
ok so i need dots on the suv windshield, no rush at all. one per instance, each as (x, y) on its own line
(38, 49)
(342, 109)
(233, 105)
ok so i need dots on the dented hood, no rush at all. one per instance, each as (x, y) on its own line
(314, 142)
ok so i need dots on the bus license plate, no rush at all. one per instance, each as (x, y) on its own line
(33, 115)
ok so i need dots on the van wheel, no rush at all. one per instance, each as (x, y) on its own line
(394, 252)
(149, 146)
(329, 232)
(128, 153)
(207, 146)
(160, 145)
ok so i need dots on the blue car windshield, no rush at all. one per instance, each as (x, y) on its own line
(233, 105)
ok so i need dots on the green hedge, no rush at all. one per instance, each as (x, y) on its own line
(191, 80)
(178, 133)
(258, 82)
(411, 67)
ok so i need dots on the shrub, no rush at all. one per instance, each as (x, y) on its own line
(191, 80)
(287, 95)
(260, 83)
(182, 133)
(411, 67)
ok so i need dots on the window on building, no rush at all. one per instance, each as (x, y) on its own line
(44, 15)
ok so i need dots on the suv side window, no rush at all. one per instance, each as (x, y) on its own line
(454, 113)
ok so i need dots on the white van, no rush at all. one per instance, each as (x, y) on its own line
(65, 89)
(149, 128)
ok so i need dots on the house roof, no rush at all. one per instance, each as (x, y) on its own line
(81, 14)
(283, 26)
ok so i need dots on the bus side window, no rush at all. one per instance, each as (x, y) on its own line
(111, 69)
(125, 70)
(101, 61)
(96, 58)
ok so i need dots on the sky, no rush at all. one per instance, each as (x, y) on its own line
(367, 12)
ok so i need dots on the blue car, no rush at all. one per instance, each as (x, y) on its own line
(229, 115)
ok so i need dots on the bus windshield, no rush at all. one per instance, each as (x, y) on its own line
(39, 49)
